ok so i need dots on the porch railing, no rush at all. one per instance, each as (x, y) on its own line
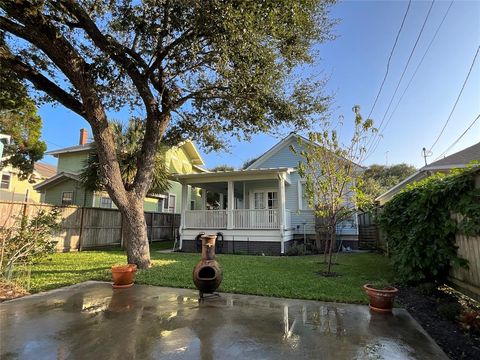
(213, 219)
(241, 219)
(255, 219)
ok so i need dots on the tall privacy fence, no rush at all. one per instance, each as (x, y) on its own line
(87, 227)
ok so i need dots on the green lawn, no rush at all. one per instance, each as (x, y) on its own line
(292, 277)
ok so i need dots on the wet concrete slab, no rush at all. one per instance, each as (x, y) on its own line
(93, 321)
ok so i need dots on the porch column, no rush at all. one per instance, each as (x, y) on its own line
(222, 201)
(281, 209)
(183, 209)
(230, 204)
(204, 199)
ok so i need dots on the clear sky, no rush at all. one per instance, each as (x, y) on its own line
(355, 64)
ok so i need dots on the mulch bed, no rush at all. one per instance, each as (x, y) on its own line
(10, 290)
(448, 334)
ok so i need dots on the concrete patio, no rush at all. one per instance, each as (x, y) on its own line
(93, 321)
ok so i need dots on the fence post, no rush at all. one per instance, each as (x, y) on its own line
(80, 236)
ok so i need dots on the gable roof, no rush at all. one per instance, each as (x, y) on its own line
(457, 160)
(62, 176)
(460, 159)
(45, 170)
(278, 146)
(273, 150)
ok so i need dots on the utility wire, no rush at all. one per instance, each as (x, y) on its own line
(456, 101)
(389, 59)
(459, 138)
(414, 73)
(377, 136)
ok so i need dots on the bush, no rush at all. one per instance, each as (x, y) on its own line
(428, 289)
(28, 240)
(449, 311)
(420, 227)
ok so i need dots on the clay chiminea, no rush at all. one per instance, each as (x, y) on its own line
(207, 274)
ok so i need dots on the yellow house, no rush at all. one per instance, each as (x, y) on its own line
(12, 188)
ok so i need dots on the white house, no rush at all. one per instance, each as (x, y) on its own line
(260, 210)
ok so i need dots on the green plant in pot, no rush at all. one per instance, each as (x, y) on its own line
(381, 296)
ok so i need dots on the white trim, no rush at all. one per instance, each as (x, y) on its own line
(269, 153)
(236, 175)
(56, 177)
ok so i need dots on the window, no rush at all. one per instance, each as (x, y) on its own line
(171, 203)
(165, 202)
(6, 177)
(272, 200)
(192, 205)
(105, 202)
(67, 198)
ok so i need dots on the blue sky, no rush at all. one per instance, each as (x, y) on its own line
(355, 64)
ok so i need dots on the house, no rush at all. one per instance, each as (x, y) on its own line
(65, 188)
(13, 188)
(457, 160)
(260, 209)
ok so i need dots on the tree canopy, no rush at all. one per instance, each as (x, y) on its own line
(193, 69)
(19, 119)
(377, 179)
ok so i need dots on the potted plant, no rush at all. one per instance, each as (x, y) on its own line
(381, 296)
(123, 275)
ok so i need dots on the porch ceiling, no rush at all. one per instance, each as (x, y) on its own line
(236, 175)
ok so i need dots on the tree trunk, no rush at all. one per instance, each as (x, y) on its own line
(135, 235)
(330, 249)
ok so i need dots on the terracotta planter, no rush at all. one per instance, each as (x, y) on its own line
(123, 275)
(381, 300)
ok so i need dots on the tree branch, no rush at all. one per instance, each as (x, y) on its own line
(40, 81)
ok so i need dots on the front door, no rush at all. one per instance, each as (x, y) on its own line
(266, 200)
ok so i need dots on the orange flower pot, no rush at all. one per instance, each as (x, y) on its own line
(123, 276)
(381, 300)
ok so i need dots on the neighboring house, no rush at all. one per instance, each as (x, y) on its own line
(458, 160)
(12, 188)
(65, 188)
(262, 209)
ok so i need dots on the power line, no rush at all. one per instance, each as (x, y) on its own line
(460, 137)
(377, 136)
(414, 73)
(390, 58)
(456, 101)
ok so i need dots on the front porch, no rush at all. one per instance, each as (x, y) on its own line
(248, 207)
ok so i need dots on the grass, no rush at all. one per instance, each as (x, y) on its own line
(291, 277)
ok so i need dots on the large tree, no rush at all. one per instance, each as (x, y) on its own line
(197, 69)
(19, 119)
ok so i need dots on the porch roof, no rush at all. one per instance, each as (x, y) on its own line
(235, 175)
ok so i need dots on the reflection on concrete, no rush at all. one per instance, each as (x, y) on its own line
(144, 322)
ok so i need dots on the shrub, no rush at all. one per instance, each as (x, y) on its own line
(427, 288)
(420, 225)
(28, 240)
(449, 311)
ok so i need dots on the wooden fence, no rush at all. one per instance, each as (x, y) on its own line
(86, 227)
(467, 280)
(367, 232)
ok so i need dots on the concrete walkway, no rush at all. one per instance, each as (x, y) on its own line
(93, 321)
